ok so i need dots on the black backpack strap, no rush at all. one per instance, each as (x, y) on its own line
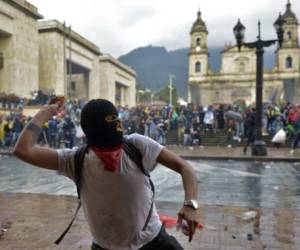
(136, 156)
(78, 165)
(69, 226)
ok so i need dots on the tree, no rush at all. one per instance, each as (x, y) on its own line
(164, 94)
(143, 95)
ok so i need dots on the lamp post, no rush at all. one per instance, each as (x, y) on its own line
(170, 89)
(139, 92)
(151, 98)
(259, 146)
(148, 93)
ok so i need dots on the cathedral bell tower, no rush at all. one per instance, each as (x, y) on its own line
(198, 55)
(288, 54)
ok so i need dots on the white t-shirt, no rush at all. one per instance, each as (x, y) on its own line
(116, 204)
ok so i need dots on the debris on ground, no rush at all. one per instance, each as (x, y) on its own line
(211, 228)
(172, 221)
(249, 236)
(249, 215)
(4, 227)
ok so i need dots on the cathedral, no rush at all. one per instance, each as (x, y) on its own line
(236, 79)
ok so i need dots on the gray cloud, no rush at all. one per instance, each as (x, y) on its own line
(136, 16)
(118, 26)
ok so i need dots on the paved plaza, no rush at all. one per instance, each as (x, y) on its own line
(34, 221)
(221, 152)
(235, 153)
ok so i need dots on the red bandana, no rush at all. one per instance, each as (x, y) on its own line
(110, 157)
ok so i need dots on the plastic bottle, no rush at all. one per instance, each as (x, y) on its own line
(184, 227)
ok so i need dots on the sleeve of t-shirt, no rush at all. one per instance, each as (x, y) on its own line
(149, 148)
(66, 162)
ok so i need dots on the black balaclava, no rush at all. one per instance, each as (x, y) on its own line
(100, 123)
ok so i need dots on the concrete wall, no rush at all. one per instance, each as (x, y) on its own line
(36, 54)
(283, 54)
(231, 60)
(19, 45)
(51, 63)
(193, 59)
(52, 42)
(115, 73)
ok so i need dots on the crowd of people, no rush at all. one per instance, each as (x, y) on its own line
(190, 123)
(61, 130)
(12, 101)
(193, 122)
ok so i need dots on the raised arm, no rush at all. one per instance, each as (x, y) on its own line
(26, 148)
(190, 183)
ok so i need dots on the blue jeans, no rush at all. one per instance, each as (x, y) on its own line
(239, 128)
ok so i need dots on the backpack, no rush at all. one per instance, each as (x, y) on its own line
(133, 153)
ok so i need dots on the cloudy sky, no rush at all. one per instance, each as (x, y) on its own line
(118, 26)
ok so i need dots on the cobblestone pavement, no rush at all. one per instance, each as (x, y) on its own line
(34, 221)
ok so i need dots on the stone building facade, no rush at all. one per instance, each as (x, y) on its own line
(236, 79)
(48, 56)
(19, 41)
(118, 81)
(68, 63)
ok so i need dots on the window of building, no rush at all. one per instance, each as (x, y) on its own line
(118, 94)
(242, 67)
(198, 41)
(289, 35)
(1, 60)
(198, 67)
(73, 87)
(289, 62)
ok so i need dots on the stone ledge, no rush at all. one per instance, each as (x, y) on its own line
(117, 63)
(56, 26)
(25, 7)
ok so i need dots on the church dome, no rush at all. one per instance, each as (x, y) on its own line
(289, 16)
(199, 25)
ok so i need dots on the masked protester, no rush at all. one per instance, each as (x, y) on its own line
(116, 196)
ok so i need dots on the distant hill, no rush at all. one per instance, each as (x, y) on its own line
(154, 64)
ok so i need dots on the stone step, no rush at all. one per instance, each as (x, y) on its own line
(219, 138)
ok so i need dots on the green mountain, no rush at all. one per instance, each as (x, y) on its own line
(154, 64)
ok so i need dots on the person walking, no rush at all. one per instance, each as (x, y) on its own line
(209, 119)
(297, 136)
(117, 198)
(249, 125)
(68, 131)
(53, 132)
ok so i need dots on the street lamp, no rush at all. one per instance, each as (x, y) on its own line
(151, 98)
(170, 86)
(239, 33)
(148, 92)
(139, 92)
(259, 146)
